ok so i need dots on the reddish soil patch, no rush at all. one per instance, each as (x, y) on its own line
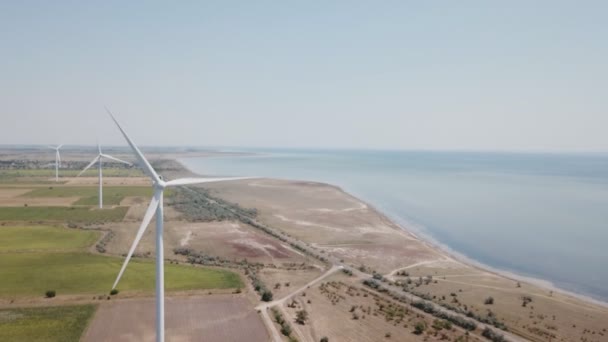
(211, 318)
(254, 249)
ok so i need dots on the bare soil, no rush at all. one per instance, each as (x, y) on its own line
(550, 314)
(208, 318)
(345, 312)
(329, 219)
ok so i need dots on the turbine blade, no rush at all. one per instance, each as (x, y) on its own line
(88, 166)
(140, 233)
(58, 147)
(186, 181)
(142, 160)
(115, 159)
(99, 147)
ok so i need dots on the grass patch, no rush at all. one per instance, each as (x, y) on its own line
(31, 274)
(89, 195)
(49, 324)
(45, 238)
(50, 173)
(72, 214)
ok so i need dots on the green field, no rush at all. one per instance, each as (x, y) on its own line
(45, 238)
(70, 214)
(32, 274)
(50, 172)
(49, 324)
(89, 195)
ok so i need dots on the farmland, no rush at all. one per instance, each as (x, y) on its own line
(31, 274)
(34, 259)
(9, 174)
(62, 214)
(49, 324)
(209, 318)
(41, 238)
(89, 195)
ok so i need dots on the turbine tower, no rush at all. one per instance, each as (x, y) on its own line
(98, 159)
(57, 160)
(156, 205)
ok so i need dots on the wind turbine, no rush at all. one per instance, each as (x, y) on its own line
(98, 159)
(57, 160)
(156, 205)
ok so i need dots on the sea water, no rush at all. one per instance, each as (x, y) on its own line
(536, 215)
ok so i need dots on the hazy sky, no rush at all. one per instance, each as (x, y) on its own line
(489, 75)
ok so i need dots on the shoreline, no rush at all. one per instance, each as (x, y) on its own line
(442, 249)
(454, 256)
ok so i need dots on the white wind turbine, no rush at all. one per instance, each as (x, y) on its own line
(57, 160)
(156, 205)
(98, 159)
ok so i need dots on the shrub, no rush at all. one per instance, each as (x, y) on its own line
(301, 316)
(419, 328)
(324, 339)
(267, 296)
(114, 292)
(492, 336)
(489, 301)
(286, 329)
(50, 294)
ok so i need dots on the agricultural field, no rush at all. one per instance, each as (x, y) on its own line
(49, 324)
(112, 195)
(11, 174)
(62, 214)
(39, 261)
(208, 318)
(32, 274)
(44, 238)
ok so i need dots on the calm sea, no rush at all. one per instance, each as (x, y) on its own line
(537, 215)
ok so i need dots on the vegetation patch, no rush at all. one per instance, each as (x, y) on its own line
(89, 195)
(32, 274)
(69, 214)
(198, 205)
(50, 172)
(285, 327)
(44, 238)
(425, 306)
(49, 324)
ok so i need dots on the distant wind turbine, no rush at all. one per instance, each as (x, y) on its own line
(57, 160)
(156, 205)
(98, 160)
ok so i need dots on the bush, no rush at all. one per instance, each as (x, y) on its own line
(114, 292)
(267, 296)
(489, 301)
(324, 339)
(50, 294)
(492, 336)
(419, 328)
(301, 316)
(286, 329)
